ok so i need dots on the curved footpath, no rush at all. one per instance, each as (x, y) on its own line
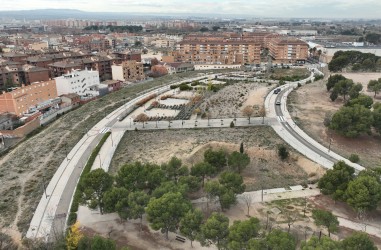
(51, 215)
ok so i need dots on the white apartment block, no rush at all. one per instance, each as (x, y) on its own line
(85, 83)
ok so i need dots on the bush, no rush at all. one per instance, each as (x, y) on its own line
(354, 158)
(185, 87)
(283, 152)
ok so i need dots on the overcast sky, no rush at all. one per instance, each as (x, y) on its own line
(263, 8)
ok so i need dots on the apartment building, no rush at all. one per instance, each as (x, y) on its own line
(128, 71)
(20, 100)
(233, 48)
(17, 75)
(218, 52)
(85, 83)
(288, 50)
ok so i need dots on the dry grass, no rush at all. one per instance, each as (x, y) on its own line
(23, 167)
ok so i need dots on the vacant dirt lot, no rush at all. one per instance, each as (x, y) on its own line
(309, 105)
(189, 145)
(232, 99)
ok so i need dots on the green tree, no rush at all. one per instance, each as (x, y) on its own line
(377, 117)
(355, 90)
(137, 201)
(232, 181)
(325, 219)
(166, 212)
(325, 243)
(375, 86)
(112, 197)
(203, 170)
(374, 38)
(364, 193)
(192, 183)
(333, 79)
(362, 100)
(216, 28)
(154, 176)
(174, 169)
(95, 184)
(335, 181)
(283, 152)
(343, 87)
(238, 161)
(215, 230)
(352, 121)
(241, 232)
(131, 176)
(169, 186)
(215, 158)
(190, 224)
(358, 241)
(279, 240)
(204, 29)
(368, 64)
(96, 243)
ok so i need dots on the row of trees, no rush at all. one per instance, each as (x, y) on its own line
(362, 193)
(249, 234)
(356, 60)
(355, 117)
(125, 28)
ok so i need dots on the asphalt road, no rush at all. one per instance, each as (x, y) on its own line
(279, 113)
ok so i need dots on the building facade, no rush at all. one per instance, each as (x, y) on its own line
(85, 83)
(128, 71)
(288, 50)
(20, 100)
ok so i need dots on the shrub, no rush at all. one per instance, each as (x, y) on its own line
(283, 152)
(354, 158)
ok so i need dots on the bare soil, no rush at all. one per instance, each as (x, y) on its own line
(309, 104)
(231, 100)
(265, 168)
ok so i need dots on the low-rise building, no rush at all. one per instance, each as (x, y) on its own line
(20, 100)
(85, 83)
(128, 71)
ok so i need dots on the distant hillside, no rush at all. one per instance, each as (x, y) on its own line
(60, 14)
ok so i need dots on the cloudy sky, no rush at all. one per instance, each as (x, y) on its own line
(263, 8)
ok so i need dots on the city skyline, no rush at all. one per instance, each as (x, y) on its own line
(260, 8)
